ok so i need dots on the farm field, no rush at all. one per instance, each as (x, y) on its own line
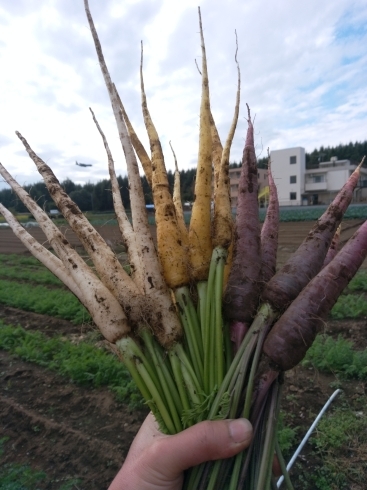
(67, 426)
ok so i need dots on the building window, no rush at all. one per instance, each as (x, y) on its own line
(293, 196)
(293, 179)
(293, 159)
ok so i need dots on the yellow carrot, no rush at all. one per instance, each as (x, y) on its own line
(171, 251)
(200, 242)
(217, 150)
(178, 204)
(223, 220)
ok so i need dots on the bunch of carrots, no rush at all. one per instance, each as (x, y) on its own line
(203, 321)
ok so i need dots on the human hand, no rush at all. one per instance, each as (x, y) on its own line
(157, 461)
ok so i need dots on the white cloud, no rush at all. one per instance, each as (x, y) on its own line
(303, 68)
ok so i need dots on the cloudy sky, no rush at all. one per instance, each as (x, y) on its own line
(303, 67)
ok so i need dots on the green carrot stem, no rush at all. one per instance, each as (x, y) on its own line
(165, 415)
(211, 354)
(212, 484)
(185, 363)
(138, 353)
(218, 291)
(123, 347)
(195, 399)
(209, 327)
(255, 362)
(130, 362)
(168, 386)
(228, 352)
(283, 466)
(177, 373)
(264, 315)
(163, 366)
(202, 288)
(267, 450)
(192, 333)
(208, 341)
(239, 381)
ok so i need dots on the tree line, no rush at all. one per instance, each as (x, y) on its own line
(93, 197)
(98, 197)
(352, 151)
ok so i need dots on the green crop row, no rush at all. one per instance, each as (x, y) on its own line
(349, 306)
(82, 363)
(56, 302)
(16, 259)
(337, 356)
(35, 275)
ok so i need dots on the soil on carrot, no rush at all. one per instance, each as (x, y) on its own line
(78, 434)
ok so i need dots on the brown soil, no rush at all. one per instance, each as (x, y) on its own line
(291, 235)
(75, 433)
(67, 431)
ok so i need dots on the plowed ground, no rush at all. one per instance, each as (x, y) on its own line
(83, 435)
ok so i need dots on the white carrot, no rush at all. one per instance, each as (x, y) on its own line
(105, 310)
(143, 156)
(126, 229)
(158, 308)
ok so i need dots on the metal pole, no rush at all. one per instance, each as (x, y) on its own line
(309, 432)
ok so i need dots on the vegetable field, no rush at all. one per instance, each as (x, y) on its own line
(69, 409)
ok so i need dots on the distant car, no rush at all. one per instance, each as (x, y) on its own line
(54, 213)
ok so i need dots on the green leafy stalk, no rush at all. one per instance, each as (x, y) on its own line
(177, 373)
(190, 324)
(165, 378)
(283, 466)
(221, 256)
(267, 449)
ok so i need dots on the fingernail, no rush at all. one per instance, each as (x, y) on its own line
(240, 430)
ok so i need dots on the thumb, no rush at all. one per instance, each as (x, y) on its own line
(205, 441)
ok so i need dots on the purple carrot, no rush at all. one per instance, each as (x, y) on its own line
(269, 232)
(291, 336)
(241, 296)
(333, 249)
(307, 261)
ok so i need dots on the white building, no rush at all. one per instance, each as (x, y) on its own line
(298, 186)
(288, 169)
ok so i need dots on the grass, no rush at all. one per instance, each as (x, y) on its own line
(349, 306)
(338, 454)
(34, 275)
(359, 282)
(57, 302)
(83, 364)
(341, 439)
(15, 259)
(337, 356)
